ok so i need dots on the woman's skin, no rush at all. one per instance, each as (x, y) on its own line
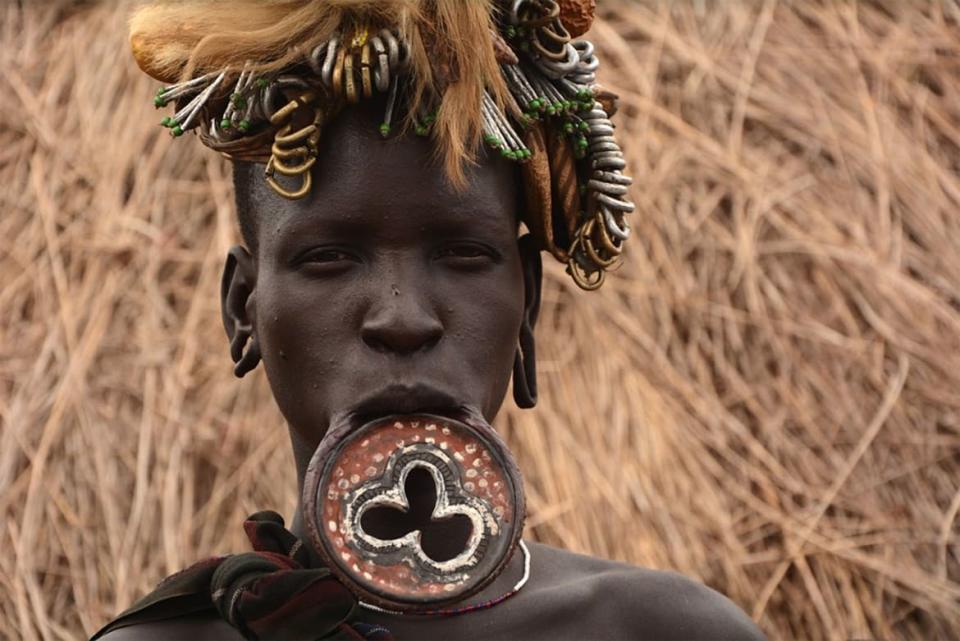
(388, 291)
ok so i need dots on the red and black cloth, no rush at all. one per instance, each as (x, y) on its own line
(274, 592)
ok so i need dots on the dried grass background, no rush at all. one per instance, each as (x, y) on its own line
(766, 397)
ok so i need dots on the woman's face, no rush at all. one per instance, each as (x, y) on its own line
(386, 290)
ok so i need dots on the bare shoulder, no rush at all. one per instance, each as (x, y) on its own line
(197, 627)
(636, 603)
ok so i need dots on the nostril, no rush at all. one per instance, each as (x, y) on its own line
(401, 336)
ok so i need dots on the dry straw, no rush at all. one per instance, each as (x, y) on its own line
(767, 396)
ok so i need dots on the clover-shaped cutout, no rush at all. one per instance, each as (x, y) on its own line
(441, 538)
(442, 528)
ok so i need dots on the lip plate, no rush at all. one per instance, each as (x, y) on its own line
(322, 463)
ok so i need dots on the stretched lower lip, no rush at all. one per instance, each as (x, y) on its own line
(407, 401)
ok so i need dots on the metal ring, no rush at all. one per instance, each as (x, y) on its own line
(605, 239)
(393, 49)
(603, 145)
(608, 160)
(617, 204)
(556, 56)
(561, 38)
(283, 137)
(365, 80)
(581, 277)
(267, 100)
(611, 225)
(329, 60)
(584, 47)
(560, 69)
(600, 128)
(337, 78)
(614, 177)
(587, 243)
(607, 188)
(349, 81)
(316, 58)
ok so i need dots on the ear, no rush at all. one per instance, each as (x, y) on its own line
(238, 309)
(525, 362)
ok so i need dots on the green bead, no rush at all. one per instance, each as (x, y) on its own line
(166, 122)
(176, 131)
(420, 130)
(226, 123)
(583, 126)
(262, 83)
(159, 102)
(244, 125)
(384, 129)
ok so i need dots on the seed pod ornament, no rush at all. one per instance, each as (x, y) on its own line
(577, 15)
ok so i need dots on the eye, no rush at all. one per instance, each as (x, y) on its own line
(327, 259)
(466, 255)
(326, 256)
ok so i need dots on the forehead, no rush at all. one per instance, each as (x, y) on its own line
(362, 179)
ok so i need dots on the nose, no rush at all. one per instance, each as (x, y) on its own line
(401, 324)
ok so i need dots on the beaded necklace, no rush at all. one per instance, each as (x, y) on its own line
(449, 612)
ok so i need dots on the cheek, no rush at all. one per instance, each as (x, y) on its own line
(303, 338)
(484, 328)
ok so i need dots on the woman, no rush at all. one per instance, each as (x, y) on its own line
(418, 157)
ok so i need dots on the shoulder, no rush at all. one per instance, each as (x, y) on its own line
(632, 602)
(198, 627)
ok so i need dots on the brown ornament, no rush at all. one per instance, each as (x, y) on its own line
(365, 510)
(607, 99)
(577, 15)
(537, 191)
(563, 177)
(505, 55)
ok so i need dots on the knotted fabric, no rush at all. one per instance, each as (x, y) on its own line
(273, 592)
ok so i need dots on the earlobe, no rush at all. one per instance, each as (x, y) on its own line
(238, 309)
(525, 361)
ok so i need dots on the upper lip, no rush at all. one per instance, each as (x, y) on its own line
(419, 398)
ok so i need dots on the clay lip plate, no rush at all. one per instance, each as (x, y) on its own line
(359, 579)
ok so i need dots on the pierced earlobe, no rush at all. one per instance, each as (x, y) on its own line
(525, 360)
(238, 309)
(525, 376)
(245, 360)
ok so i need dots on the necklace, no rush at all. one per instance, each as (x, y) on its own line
(449, 612)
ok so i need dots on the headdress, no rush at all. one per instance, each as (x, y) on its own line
(259, 78)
